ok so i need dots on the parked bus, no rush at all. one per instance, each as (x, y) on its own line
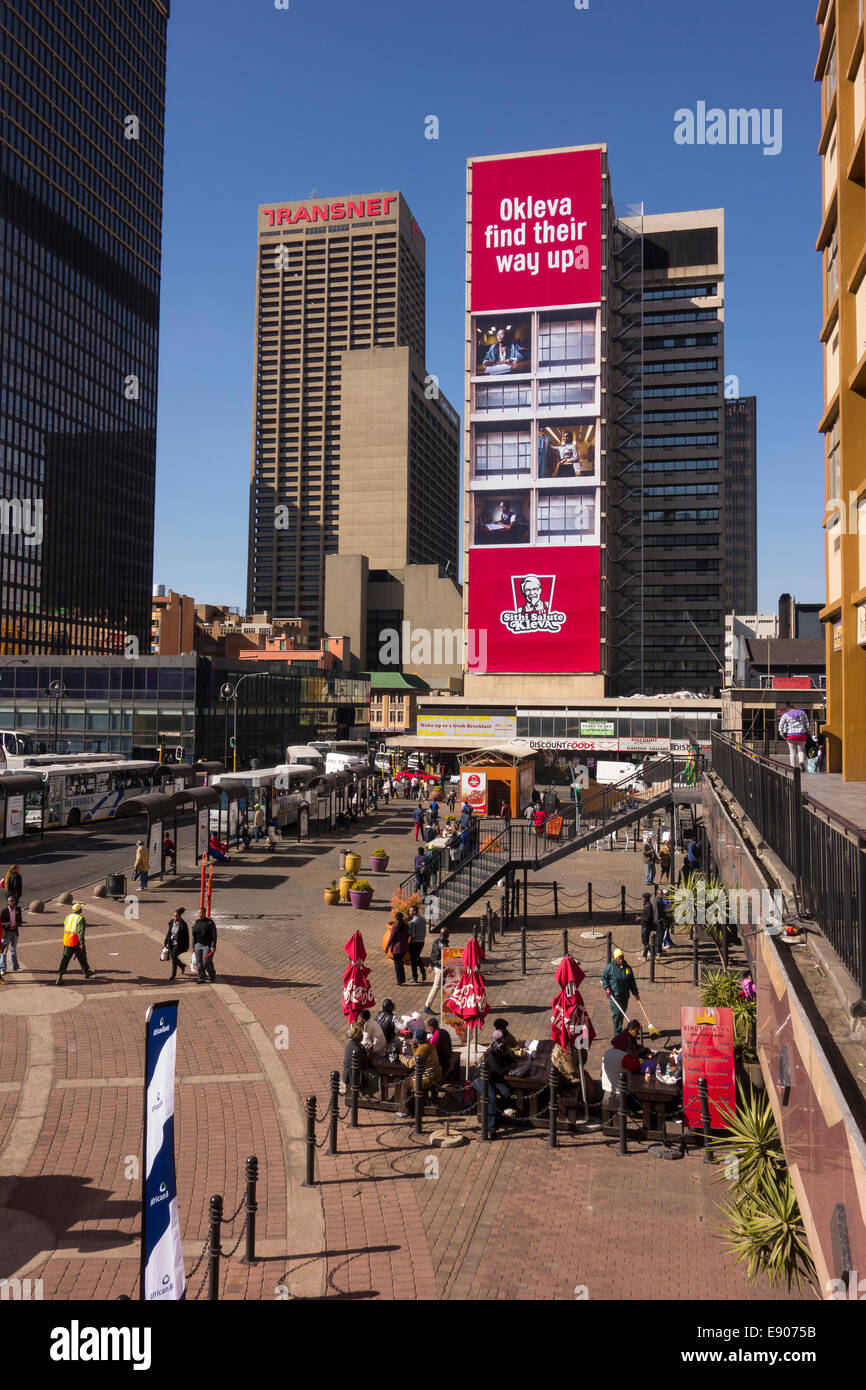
(78, 793)
(279, 790)
(20, 751)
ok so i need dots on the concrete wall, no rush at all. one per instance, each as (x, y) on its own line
(346, 582)
(374, 457)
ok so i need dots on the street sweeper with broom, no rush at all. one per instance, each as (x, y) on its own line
(618, 983)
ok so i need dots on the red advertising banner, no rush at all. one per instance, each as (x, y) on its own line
(708, 1050)
(791, 683)
(452, 969)
(536, 610)
(536, 230)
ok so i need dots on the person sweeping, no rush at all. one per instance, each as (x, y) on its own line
(619, 984)
(74, 927)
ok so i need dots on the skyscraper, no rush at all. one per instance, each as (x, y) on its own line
(81, 165)
(336, 276)
(741, 509)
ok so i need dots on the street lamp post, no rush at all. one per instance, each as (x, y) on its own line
(230, 692)
(56, 691)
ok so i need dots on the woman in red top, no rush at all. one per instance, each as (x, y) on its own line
(538, 821)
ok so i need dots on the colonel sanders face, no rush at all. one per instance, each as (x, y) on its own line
(531, 590)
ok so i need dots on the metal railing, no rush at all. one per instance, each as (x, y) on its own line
(825, 852)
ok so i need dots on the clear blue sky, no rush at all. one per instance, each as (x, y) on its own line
(265, 105)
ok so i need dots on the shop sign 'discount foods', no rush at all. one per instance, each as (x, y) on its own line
(536, 230)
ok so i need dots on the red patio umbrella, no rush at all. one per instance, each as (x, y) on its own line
(469, 1000)
(357, 994)
(569, 1011)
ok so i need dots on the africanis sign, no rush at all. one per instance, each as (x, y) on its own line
(536, 230)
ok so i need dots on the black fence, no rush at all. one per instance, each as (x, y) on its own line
(825, 852)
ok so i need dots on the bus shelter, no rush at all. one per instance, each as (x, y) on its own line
(201, 799)
(234, 798)
(161, 812)
(21, 791)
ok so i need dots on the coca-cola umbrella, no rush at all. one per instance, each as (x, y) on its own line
(357, 994)
(469, 1000)
(570, 1024)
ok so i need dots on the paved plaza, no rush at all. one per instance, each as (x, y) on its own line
(390, 1216)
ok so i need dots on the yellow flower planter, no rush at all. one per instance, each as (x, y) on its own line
(345, 884)
(353, 863)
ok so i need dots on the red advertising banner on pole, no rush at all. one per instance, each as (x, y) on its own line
(452, 969)
(536, 230)
(538, 610)
(708, 1050)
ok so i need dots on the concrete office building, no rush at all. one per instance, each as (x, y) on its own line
(81, 171)
(355, 452)
(840, 71)
(668, 499)
(741, 504)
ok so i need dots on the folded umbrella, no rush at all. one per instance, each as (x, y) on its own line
(357, 994)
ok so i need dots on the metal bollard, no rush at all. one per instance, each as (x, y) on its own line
(564, 942)
(622, 900)
(623, 1112)
(310, 1171)
(695, 963)
(609, 946)
(485, 1102)
(214, 1248)
(503, 904)
(419, 1095)
(652, 958)
(704, 1097)
(588, 900)
(251, 1207)
(553, 1106)
(354, 1088)
(488, 917)
(335, 1109)
(523, 944)
(555, 898)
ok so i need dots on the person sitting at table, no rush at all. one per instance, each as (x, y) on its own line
(368, 1080)
(499, 1062)
(440, 1039)
(515, 1047)
(431, 1073)
(387, 1020)
(615, 1060)
(627, 1041)
(373, 1041)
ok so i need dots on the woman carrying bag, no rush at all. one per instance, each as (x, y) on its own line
(397, 946)
(176, 942)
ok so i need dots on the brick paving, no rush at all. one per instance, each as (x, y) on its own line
(391, 1217)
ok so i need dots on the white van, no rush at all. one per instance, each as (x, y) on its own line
(344, 762)
(608, 772)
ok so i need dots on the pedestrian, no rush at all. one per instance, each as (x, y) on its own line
(665, 857)
(451, 800)
(12, 885)
(647, 924)
(538, 819)
(650, 858)
(74, 927)
(434, 814)
(169, 851)
(417, 937)
(418, 819)
(204, 940)
(176, 941)
(398, 946)
(141, 867)
(618, 983)
(499, 1062)
(436, 962)
(422, 871)
(664, 922)
(258, 823)
(505, 811)
(10, 925)
(244, 831)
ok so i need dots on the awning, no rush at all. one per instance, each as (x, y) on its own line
(234, 791)
(167, 770)
(200, 796)
(17, 783)
(157, 805)
(209, 768)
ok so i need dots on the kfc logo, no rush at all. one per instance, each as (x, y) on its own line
(532, 599)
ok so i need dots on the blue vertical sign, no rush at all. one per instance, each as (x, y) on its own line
(162, 1274)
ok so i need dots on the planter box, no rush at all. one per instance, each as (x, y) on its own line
(380, 864)
(353, 863)
(332, 896)
(361, 900)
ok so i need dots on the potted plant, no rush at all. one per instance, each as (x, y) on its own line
(332, 893)
(361, 893)
(378, 861)
(353, 862)
(346, 882)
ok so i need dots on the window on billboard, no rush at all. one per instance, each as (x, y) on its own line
(579, 391)
(502, 520)
(503, 397)
(503, 453)
(565, 516)
(566, 340)
(566, 449)
(503, 346)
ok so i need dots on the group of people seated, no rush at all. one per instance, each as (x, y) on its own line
(625, 1054)
(400, 1042)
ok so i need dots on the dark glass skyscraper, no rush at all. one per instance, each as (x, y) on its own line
(82, 99)
(741, 515)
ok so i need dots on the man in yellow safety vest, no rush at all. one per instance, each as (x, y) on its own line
(74, 927)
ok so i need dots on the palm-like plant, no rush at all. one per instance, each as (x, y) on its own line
(764, 1230)
(720, 989)
(699, 900)
(752, 1139)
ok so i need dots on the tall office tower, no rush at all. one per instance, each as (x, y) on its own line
(667, 495)
(840, 70)
(334, 276)
(82, 94)
(741, 504)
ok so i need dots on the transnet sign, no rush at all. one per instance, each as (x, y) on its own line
(539, 609)
(536, 231)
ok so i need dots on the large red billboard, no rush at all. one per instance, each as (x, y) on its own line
(536, 610)
(536, 230)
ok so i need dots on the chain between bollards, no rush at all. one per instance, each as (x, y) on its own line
(623, 1113)
(703, 1095)
(334, 1112)
(310, 1172)
(249, 1257)
(553, 1107)
(485, 1102)
(555, 898)
(214, 1249)
(419, 1094)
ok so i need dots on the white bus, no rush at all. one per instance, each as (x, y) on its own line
(280, 790)
(20, 751)
(78, 793)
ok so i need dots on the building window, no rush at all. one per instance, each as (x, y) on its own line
(565, 516)
(502, 453)
(833, 267)
(502, 397)
(556, 393)
(566, 342)
(834, 479)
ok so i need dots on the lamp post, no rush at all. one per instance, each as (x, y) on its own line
(56, 691)
(230, 692)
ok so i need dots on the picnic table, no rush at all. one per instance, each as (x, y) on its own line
(657, 1101)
